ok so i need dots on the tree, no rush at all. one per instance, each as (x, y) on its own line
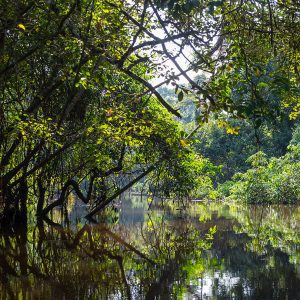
(76, 102)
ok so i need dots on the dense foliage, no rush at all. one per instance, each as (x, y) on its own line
(76, 104)
(231, 150)
(274, 180)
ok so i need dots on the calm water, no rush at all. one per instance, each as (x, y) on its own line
(200, 252)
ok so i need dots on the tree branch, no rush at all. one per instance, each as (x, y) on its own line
(119, 192)
(152, 89)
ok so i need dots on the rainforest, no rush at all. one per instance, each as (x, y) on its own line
(149, 149)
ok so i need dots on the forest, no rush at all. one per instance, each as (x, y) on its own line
(185, 111)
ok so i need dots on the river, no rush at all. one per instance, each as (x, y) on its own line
(178, 251)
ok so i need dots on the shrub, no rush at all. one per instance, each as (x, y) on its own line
(275, 180)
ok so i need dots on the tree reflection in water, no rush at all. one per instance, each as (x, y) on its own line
(166, 254)
(143, 261)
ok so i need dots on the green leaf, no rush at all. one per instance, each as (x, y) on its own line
(180, 96)
(262, 85)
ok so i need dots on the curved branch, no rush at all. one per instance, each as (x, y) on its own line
(119, 192)
(61, 199)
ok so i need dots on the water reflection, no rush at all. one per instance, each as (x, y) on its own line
(161, 254)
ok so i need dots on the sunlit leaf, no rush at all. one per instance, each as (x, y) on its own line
(21, 26)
